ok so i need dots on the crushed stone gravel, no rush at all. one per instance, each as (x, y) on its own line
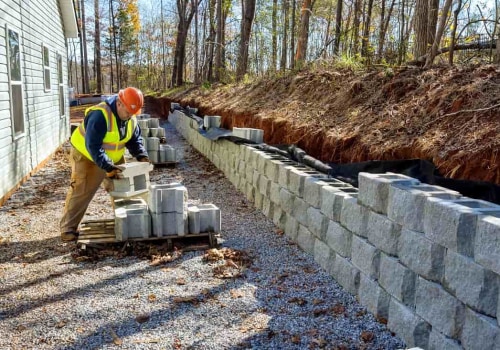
(53, 296)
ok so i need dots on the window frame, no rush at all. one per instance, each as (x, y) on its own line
(46, 68)
(60, 85)
(13, 82)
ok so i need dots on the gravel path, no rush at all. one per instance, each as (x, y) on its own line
(52, 297)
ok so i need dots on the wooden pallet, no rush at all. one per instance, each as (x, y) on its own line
(98, 233)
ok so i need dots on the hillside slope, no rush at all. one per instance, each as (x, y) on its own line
(450, 116)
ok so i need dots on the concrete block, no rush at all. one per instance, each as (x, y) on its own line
(487, 244)
(264, 185)
(374, 189)
(193, 219)
(291, 227)
(438, 307)
(154, 156)
(258, 200)
(407, 203)
(153, 123)
(317, 223)
(346, 274)
(471, 283)
(254, 135)
(267, 207)
(365, 257)
(168, 198)
(383, 233)
(132, 223)
(339, 239)
(480, 332)
(167, 153)
(296, 180)
(331, 202)
(262, 159)
(305, 239)
(284, 175)
(273, 170)
(439, 341)
(137, 176)
(421, 255)
(354, 216)
(170, 224)
(274, 193)
(152, 143)
(312, 189)
(256, 179)
(374, 298)
(322, 254)
(453, 223)
(279, 217)
(250, 192)
(211, 121)
(408, 325)
(286, 201)
(299, 211)
(210, 219)
(397, 280)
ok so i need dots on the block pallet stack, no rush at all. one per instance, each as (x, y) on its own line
(155, 141)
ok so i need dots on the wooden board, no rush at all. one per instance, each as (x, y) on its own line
(97, 232)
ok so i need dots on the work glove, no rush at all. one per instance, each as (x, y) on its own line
(144, 159)
(116, 173)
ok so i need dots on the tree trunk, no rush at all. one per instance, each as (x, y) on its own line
(366, 31)
(432, 22)
(97, 38)
(305, 14)
(85, 61)
(355, 26)
(196, 47)
(219, 43)
(439, 34)
(338, 27)
(420, 20)
(383, 29)
(185, 11)
(274, 20)
(210, 41)
(248, 13)
(292, 35)
(284, 39)
(454, 32)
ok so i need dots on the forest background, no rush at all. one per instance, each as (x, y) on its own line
(160, 44)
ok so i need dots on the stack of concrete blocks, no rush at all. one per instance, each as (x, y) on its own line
(152, 134)
(421, 257)
(254, 135)
(135, 180)
(167, 154)
(211, 121)
(132, 219)
(168, 207)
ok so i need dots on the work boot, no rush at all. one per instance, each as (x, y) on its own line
(69, 236)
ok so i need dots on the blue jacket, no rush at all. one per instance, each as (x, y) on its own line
(96, 128)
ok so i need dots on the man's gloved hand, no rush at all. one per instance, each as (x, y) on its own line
(144, 159)
(116, 173)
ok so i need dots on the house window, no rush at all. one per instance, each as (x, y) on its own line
(60, 85)
(46, 68)
(15, 83)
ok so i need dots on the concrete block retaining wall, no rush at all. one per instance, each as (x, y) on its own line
(422, 257)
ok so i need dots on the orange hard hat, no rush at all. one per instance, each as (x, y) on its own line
(132, 99)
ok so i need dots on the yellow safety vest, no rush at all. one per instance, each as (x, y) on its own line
(112, 145)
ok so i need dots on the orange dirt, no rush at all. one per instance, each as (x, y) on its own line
(449, 116)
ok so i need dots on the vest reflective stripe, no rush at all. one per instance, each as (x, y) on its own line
(112, 145)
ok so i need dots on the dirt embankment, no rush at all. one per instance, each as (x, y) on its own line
(449, 116)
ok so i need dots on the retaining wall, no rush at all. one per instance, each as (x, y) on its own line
(421, 257)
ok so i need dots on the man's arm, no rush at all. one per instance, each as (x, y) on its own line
(135, 145)
(95, 131)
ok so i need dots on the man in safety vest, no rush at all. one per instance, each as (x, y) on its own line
(99, 145)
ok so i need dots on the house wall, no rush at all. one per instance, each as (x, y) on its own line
(38, 22)
(422, 258)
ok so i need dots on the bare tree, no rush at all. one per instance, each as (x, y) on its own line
(274, 20)
(248, 11)
(442, 24)
(338, 27)
(421, 18)
(454, 31)
(365, 41)
(284, 39)
(97, 43)
(305, 14)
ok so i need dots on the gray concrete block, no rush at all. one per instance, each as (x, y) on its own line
(279, 217)
(487, 244)
(374, 189)
(211, 121)
(210, 219)
(365, 257)
(250, 192)
(299, 211)
(383, 233)
(256, 179)
(168, 198)
(152, 143)
(132, 223)
(471, 283)
(267, 207)
(170, 224)
(262, 159)
(346, 274)
(312, 189)
(291, 227)
(153, 123)
(408, 325)
(317, 223)
(374, 298)
(296, 181)
(264, 185)
(258, 200)
(274, 193)
(273, 169)
(439, 341)
(193, 219)
(339, 239)
(305, 239)
(284, 175)
(286, 200)
(480, 332)
(332, 200)
(397, 280)
(407, 203)
(453, 223)
(421, 255)
(322, 254)
(438, 307)
(354, 216)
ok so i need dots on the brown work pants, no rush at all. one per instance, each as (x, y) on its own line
(86, 177)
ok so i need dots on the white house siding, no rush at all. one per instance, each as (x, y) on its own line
(38, 22)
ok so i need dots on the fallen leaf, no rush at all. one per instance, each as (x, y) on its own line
(296, 339)
(181, 281)
(151, 297)
(61, 324)
(142, 318)
(367, 336)
(280, 232)
(338, 309)
(116, 338)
